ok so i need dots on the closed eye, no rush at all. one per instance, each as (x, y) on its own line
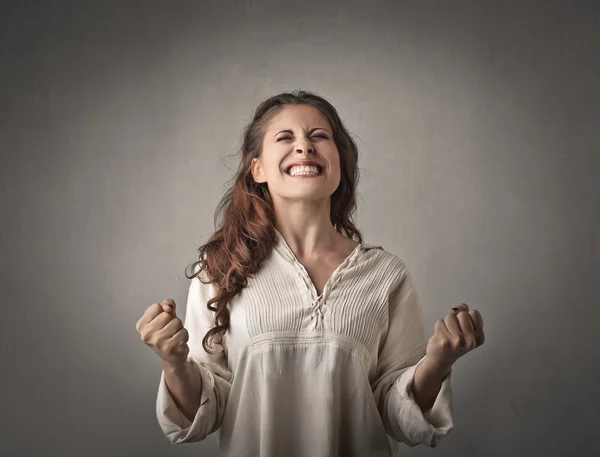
(320, 135)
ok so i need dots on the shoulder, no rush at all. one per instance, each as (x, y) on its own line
(384, 270)
(200, 284)
(392, 264)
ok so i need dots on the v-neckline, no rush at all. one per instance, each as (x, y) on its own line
(328, 284)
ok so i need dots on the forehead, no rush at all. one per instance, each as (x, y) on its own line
(298, 116)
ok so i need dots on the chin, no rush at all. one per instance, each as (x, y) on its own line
(316, 195)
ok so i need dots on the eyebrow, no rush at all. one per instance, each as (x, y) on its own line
(309, 132)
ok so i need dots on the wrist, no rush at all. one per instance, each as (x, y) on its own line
(174, 367)
(437, 366)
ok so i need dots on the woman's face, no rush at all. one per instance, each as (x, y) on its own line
(298, 133)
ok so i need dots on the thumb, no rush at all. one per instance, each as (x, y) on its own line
(169, 306)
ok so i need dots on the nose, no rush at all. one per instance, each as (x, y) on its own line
(305, 146)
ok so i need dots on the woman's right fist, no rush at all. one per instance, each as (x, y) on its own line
(163, 331)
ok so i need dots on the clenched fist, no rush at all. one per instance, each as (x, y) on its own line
(456, 335)
(163, 331)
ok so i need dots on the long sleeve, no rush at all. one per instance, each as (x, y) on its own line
(216, 377)
(402, 351)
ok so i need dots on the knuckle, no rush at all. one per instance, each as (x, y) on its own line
(446, 343)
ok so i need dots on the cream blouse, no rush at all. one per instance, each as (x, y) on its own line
(306, 375)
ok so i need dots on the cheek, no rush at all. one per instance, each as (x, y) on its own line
(335, 163)
(272, 168)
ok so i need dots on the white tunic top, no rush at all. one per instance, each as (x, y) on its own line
(306, 375)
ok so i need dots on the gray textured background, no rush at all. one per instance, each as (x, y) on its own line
(478, 125)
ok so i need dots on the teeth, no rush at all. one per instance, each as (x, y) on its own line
(310, 170)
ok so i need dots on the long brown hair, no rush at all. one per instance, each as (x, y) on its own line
(245, 214)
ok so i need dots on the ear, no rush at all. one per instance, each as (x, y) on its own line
(257, 171)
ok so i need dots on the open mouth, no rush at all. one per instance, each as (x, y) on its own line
(300, 174)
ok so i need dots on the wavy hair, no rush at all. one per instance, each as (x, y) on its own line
(245, 215)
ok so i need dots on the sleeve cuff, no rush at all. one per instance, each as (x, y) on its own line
(420, 428)
(178, 428)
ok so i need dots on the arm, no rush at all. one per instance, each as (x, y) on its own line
(427, 384)
(184, 384)
(192, 398)
(405, 376)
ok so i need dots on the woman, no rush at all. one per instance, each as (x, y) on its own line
(300, 339)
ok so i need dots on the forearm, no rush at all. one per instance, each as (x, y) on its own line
(427, 383)
(184, 385)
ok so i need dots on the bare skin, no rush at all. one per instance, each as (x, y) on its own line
(321, 266)
(161, 329)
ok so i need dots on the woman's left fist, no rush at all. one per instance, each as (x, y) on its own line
(460, 332)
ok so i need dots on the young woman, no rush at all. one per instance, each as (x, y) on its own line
(300, 339)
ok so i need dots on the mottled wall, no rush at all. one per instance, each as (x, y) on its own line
(479, 131)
